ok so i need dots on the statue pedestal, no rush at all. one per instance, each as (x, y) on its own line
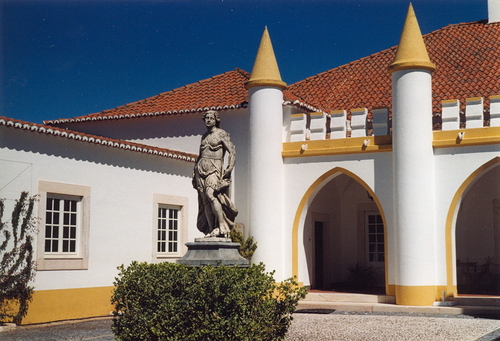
(213, 251)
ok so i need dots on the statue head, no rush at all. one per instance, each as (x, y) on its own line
(215, 114)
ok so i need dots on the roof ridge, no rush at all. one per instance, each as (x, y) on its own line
(96, 139)
(482, 21)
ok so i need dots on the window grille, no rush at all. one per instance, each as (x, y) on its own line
(168, 230)
(61, 225)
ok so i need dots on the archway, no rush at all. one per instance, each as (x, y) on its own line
(343, 234)
(473, 234)
(477, 236)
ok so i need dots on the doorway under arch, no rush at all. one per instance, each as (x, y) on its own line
(343, 235)
(477, 235)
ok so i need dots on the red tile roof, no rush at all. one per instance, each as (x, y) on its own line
(105, 141)
(225, 91)
(467, 57)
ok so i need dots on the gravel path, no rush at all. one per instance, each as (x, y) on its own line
(343, 326)
(371, 327)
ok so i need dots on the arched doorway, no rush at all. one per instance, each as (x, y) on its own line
(344, 237)
(477, 236)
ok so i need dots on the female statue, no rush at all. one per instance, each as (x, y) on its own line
(216, 212)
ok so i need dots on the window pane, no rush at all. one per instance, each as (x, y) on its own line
(65, 246)
(65, 232)
(55, 232)
(55, 246)
(47, 245)
(48, 231)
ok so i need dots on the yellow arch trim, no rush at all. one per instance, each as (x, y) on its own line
(450, 288)
(309, 195)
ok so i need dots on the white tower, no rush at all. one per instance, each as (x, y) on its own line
(413, 168)
(266, 183)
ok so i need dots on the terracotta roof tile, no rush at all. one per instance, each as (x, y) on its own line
(225, 91)
(105, 141)
(467, 57)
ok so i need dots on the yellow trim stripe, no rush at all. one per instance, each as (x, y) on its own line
(67, 304)
(472, 137)
(353, 145)
(423, 295)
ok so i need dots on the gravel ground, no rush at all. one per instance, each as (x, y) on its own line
(343, 326)
(394, 327)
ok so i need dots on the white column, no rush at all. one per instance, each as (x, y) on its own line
(266, 183)
(413, 178)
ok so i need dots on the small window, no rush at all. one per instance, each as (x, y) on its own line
(168, 229)
(375, 237)
(63, 235)
(62, 224)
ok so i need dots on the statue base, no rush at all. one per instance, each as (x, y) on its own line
(213, 251)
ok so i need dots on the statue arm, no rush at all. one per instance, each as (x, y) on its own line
(229, 147)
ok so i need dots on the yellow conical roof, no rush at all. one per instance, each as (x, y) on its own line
(411, 53)
(265, 69)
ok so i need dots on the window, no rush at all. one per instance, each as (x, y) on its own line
(64, 226)
(169, 226)
(61, 224)
(375, 237)
(168, 229)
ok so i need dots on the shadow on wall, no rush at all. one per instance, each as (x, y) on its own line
(20, 140)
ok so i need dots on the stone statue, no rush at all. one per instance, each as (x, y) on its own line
(216, 212)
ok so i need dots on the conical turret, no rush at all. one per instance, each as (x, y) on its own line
(265, 69)
(411, 53)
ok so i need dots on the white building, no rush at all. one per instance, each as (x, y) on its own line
(391, 162)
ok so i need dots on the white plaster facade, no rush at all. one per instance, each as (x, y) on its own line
(304, 201)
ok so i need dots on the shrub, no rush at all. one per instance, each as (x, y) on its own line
(169, 301)
(247, 246)
(17, 267)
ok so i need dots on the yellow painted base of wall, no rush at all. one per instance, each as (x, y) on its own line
(419, 295)
(67, 304)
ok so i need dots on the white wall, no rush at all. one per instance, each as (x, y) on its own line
(183, 133)
(122, 185)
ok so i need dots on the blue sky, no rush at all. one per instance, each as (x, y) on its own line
(64, 58)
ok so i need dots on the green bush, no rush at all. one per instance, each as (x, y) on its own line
(169, 301)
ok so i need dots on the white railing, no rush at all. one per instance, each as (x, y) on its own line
(474, 113)
(336, 125)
